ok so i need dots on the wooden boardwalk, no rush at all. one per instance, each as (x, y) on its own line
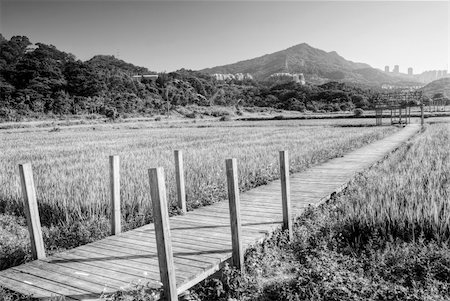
(201, 239)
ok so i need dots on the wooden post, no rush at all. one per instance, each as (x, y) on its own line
(235, 214)
(162, 232)
(114, 181)
(286, 192)
(179, 174)
(421, 115)
(31, 211)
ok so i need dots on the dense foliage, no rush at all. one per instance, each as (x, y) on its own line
(40, 80)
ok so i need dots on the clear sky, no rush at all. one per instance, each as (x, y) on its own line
(168, 35)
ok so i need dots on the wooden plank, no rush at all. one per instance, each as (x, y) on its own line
(25, 288)
(235, 214)
(179, 175)
(114, 175)
(104, 269)
(163, 243)
(98, 260)
(110, 284)
(52, 286)
(31, 211)
(88, 287)
(181, 263)
(285, 193)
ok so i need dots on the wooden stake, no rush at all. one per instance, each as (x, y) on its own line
(421, 115)
(179, 173)
(162, 232)
(114, 179)
(286, 192)
(31, 211)
(235, 214)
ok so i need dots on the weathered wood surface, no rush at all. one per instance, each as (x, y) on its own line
(201, 239)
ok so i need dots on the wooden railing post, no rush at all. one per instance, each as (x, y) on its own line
(162, 232)
(286, 192)
(237, 259)
(179, 174)
(421, 114)
(31, 211)
(114, 179)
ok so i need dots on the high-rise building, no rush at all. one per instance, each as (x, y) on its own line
(396, 69)
(386, 69)
(445, 73)
(410, 71)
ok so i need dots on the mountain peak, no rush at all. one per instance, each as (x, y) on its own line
(318, 66)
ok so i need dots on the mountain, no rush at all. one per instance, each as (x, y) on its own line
(317, 65)
(438, 86)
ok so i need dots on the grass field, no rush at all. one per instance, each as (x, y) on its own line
(386, 237)
(72, 178)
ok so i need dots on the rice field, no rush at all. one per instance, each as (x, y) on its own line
(71, 170)
(408, 195)
(71, 166)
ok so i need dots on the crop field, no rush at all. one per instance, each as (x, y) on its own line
(71, 173)
(386, 237)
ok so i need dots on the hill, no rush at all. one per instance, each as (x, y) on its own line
(39, 81)
(438, 86)
(317, 65)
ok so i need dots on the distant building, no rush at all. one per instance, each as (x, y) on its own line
(396, 69)
(410, 71)
(445, 73)
(237, 76)
(386, 69)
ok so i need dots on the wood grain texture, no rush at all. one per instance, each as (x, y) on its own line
(237, 258)
(31, 211)
(286, 193)
(162, 231)
(114, 182)
(179, 177)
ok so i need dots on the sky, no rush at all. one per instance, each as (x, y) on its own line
(169, 35)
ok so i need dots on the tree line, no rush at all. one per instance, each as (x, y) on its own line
(41, 81)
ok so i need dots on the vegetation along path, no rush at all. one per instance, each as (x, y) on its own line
(201, 239)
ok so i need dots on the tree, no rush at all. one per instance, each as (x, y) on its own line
(163, 82)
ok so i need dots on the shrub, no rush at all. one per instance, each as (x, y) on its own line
(220, 113)
(225, 118)
(358, 112)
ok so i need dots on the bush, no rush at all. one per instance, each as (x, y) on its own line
(220, 113)
(191, 115)
(358, 112)
(278, 117)
(225, 118)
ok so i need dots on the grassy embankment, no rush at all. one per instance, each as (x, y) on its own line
(387, 237)
(71, 171)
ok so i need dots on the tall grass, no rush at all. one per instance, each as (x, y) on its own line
(407, 196)
(71, 167)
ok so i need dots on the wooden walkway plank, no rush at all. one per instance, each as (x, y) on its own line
(201, 239)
